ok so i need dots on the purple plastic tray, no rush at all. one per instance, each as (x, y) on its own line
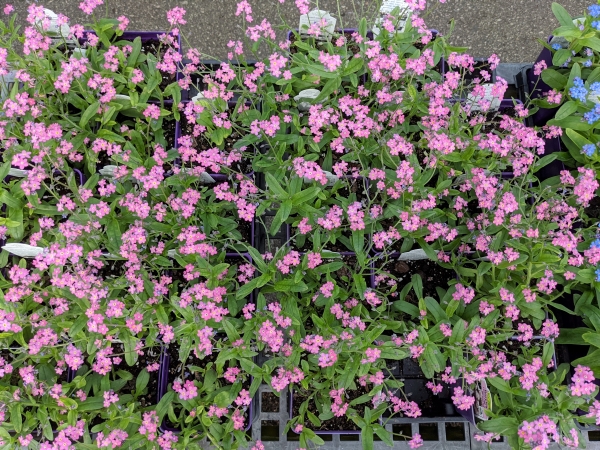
(543, 115)
(145, 36)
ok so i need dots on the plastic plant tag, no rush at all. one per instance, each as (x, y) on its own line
(204, 177)
(594, 97)
(331, 178)
(414, 255)
(473, 100)
(561, 40)
(17, 173)
(200, 99)
(80, 51)
(316, 16)
(307, 95)
(388, 6)
(108, 171)
(54, 28)
(23, 250)
(6, 83)
(483, 400)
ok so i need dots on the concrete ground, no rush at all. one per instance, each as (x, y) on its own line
(509, 28)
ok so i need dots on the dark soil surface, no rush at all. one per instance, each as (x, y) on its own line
(593, 211)
(201, 143)
(336, 423)
(431, 273)
(269, 402)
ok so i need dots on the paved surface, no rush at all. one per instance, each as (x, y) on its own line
(510, 28)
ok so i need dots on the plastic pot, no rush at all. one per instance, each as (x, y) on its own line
(470, 414)
(179, 133)
(163, 387)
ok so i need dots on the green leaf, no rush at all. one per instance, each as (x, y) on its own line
(577, 138)
(282, 214)
(591, 42)
(113, 231)
(500, 425)
(562, 15)
(274, 185)
(566, 110)
(88, 114)
(246, 289)
(91, 404)
(131, 356)
(223, 399)
(554, 79)
(135, 52)
(329, 87)
(592, 338)
(367, 438)
(142, 381)
(163, 404)
(573, 336)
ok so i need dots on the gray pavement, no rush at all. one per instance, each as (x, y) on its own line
(509, 28)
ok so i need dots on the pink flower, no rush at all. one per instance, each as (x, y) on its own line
(416, 441)
(123, 23)
(331, 62)
(152, 111)
(88, 6)
(8, 9)
(175, 16)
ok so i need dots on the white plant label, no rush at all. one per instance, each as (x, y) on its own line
(315, 16)
(473, 100)
(206, 178)
(414, 255)
(388, 6)
(108, 171)
(594, 97)
(23, 250)
(6, 83)
(303, 99)
(18, 173)
(54, 29)
(331, 178)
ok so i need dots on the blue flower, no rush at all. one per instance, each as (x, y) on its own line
(556, 46)
(593, 115)
(597, 274)
(587, 63)
(596, 24)
(588, 52)
(588, 149)
(595, 86)
(594, 10)
(595, 244)
(578, 91)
